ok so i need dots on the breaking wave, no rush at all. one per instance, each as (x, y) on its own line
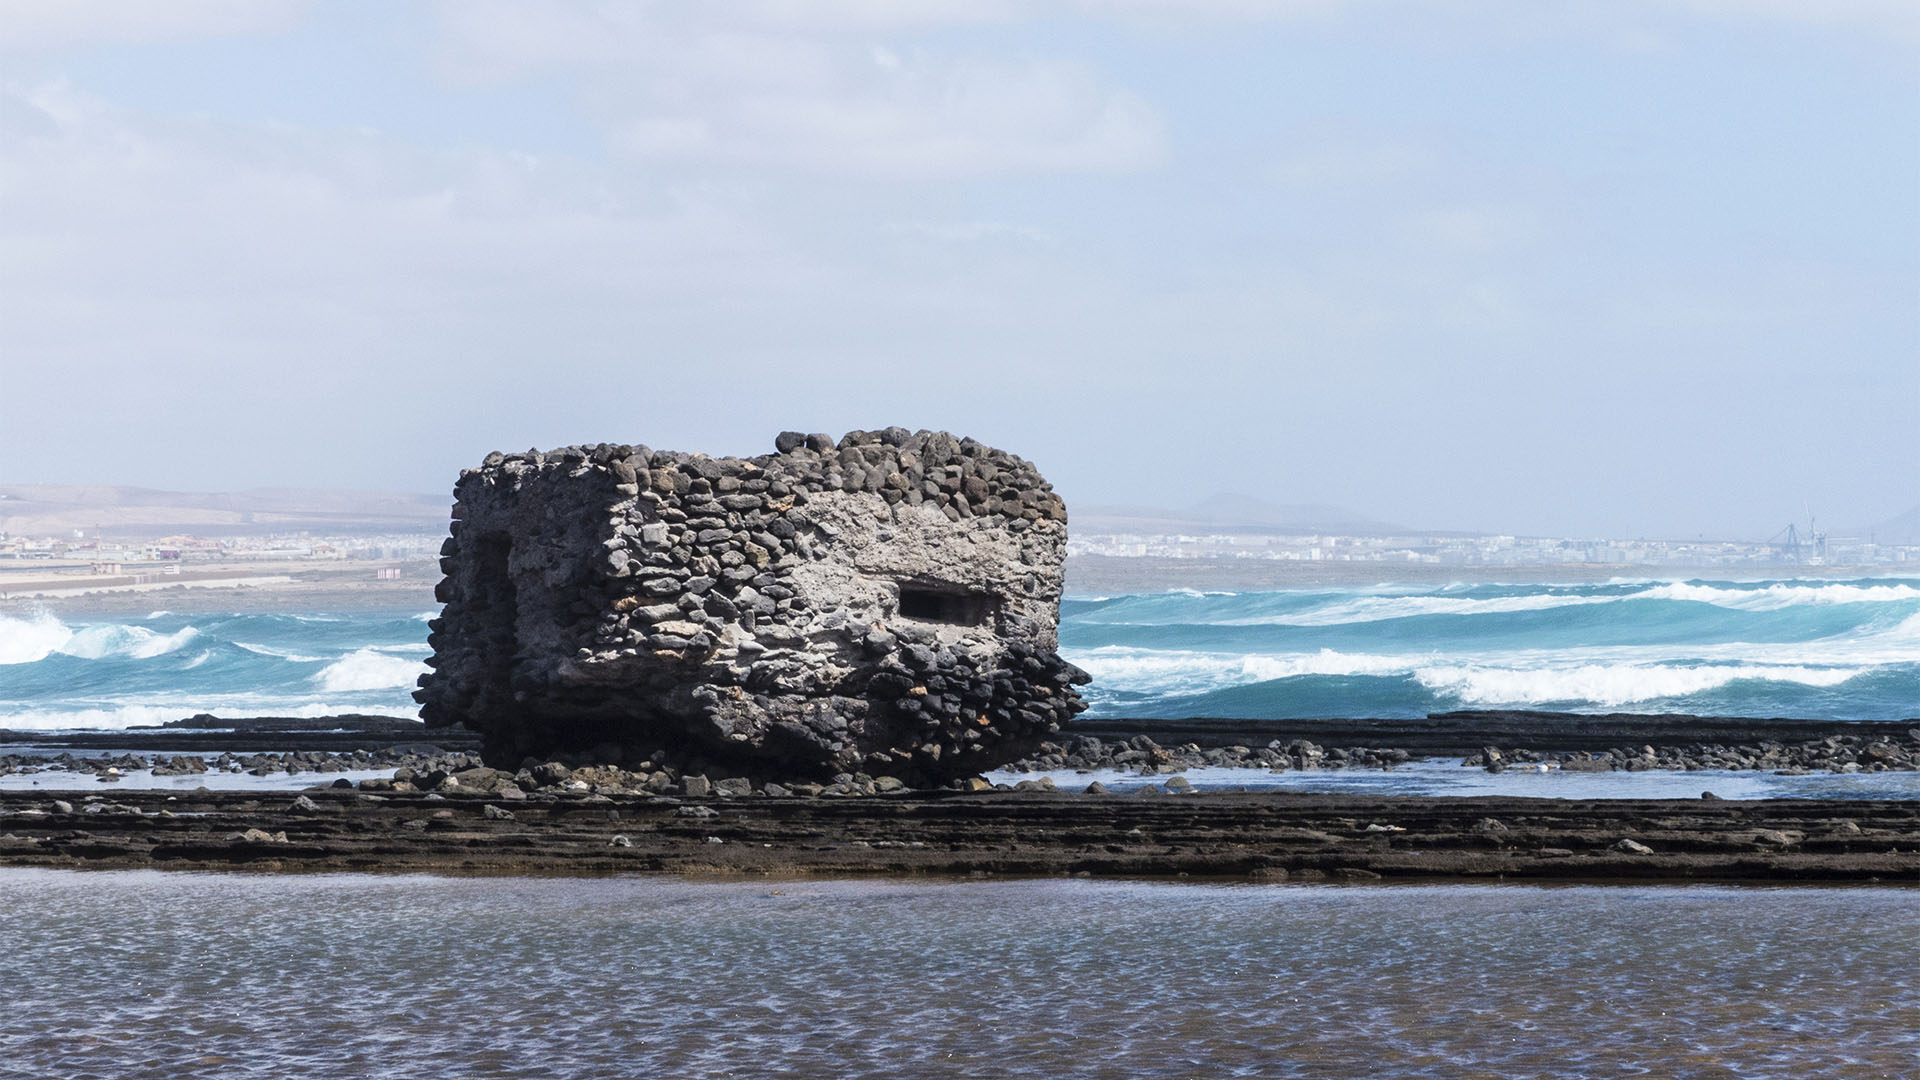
(1381, 608)
(122, 716)
(1177, 671)
(1836, 649)
(1783, 595)
(132, 642)
(1608, 685)
(25, 641)
(1840, 649)
(166, 667)
(368, 669)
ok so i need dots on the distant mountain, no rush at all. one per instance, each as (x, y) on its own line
(1901, 530)
(58, 509)
(1234, 513)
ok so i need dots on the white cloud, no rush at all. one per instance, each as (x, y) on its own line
(217, 285)
(922, 119)
(56, 24)
(1478, 229)
(1608, 17)
(1341, 165)
(1233, 10)
(188, 241)
(971, 232)
(1900, 18)
(756, 86)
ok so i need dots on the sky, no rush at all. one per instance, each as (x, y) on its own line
(1607, 268)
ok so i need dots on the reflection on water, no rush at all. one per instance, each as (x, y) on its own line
(1445, 776)
(1434, 776)
(144, 780)
(140, 974)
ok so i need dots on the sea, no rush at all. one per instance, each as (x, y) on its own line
(1842, 650)
(159, 974)
(164, 974)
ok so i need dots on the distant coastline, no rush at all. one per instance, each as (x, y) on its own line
(253, 588)
(1108, 574)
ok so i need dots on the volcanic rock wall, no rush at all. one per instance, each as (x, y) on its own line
(888, 603)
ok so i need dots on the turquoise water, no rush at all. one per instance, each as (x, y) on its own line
(1839, 650)
(57, 675)
(151, 974)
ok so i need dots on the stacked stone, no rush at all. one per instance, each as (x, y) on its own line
(887, 603)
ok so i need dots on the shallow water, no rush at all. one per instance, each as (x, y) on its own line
(1439, 776)
(1446, 776)
(144, 780)
(146, 974)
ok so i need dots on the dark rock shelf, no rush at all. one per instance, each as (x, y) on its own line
(1246, 837)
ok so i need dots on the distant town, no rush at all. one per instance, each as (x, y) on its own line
(49, 567)
(109, 556)
(77, 540)
(79, 552)
(1452, 550)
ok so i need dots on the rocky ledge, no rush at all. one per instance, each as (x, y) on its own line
(1880, 751)
(1248, 837)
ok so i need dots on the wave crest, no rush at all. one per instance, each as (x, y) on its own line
(125, 642)
(1151, 671)
(1608, 684)
(1782, 595)
(25, 641)
(368, 669)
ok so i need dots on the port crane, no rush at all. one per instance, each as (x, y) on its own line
(1811, 551)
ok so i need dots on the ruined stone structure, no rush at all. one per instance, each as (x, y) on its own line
(888, 603)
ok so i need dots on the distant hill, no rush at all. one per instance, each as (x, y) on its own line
(1234, 513)
(58, 509)
(1901, 530)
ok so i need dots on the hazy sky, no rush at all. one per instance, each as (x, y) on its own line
(1606, 267)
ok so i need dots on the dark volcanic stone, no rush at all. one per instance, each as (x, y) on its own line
(825, 609)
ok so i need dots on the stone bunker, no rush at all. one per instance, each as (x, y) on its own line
(888, 604)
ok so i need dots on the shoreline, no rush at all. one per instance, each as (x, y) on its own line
(435, 817)
(1093, 575)
(1221, 837)
(1092, 742)
(303, 588)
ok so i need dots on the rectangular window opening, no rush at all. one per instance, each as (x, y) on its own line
(944, 606)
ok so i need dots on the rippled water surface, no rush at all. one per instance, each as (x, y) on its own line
(142, 974)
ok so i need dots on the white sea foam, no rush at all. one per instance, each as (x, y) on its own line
(368, 669)
(1607, 684)
(111, 716)
(1154, 671)
(278, 653)
(1773, 597)
(125, 642)
(1382, 608)
(1606, 675)
(25, 641)
(1782, 595)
